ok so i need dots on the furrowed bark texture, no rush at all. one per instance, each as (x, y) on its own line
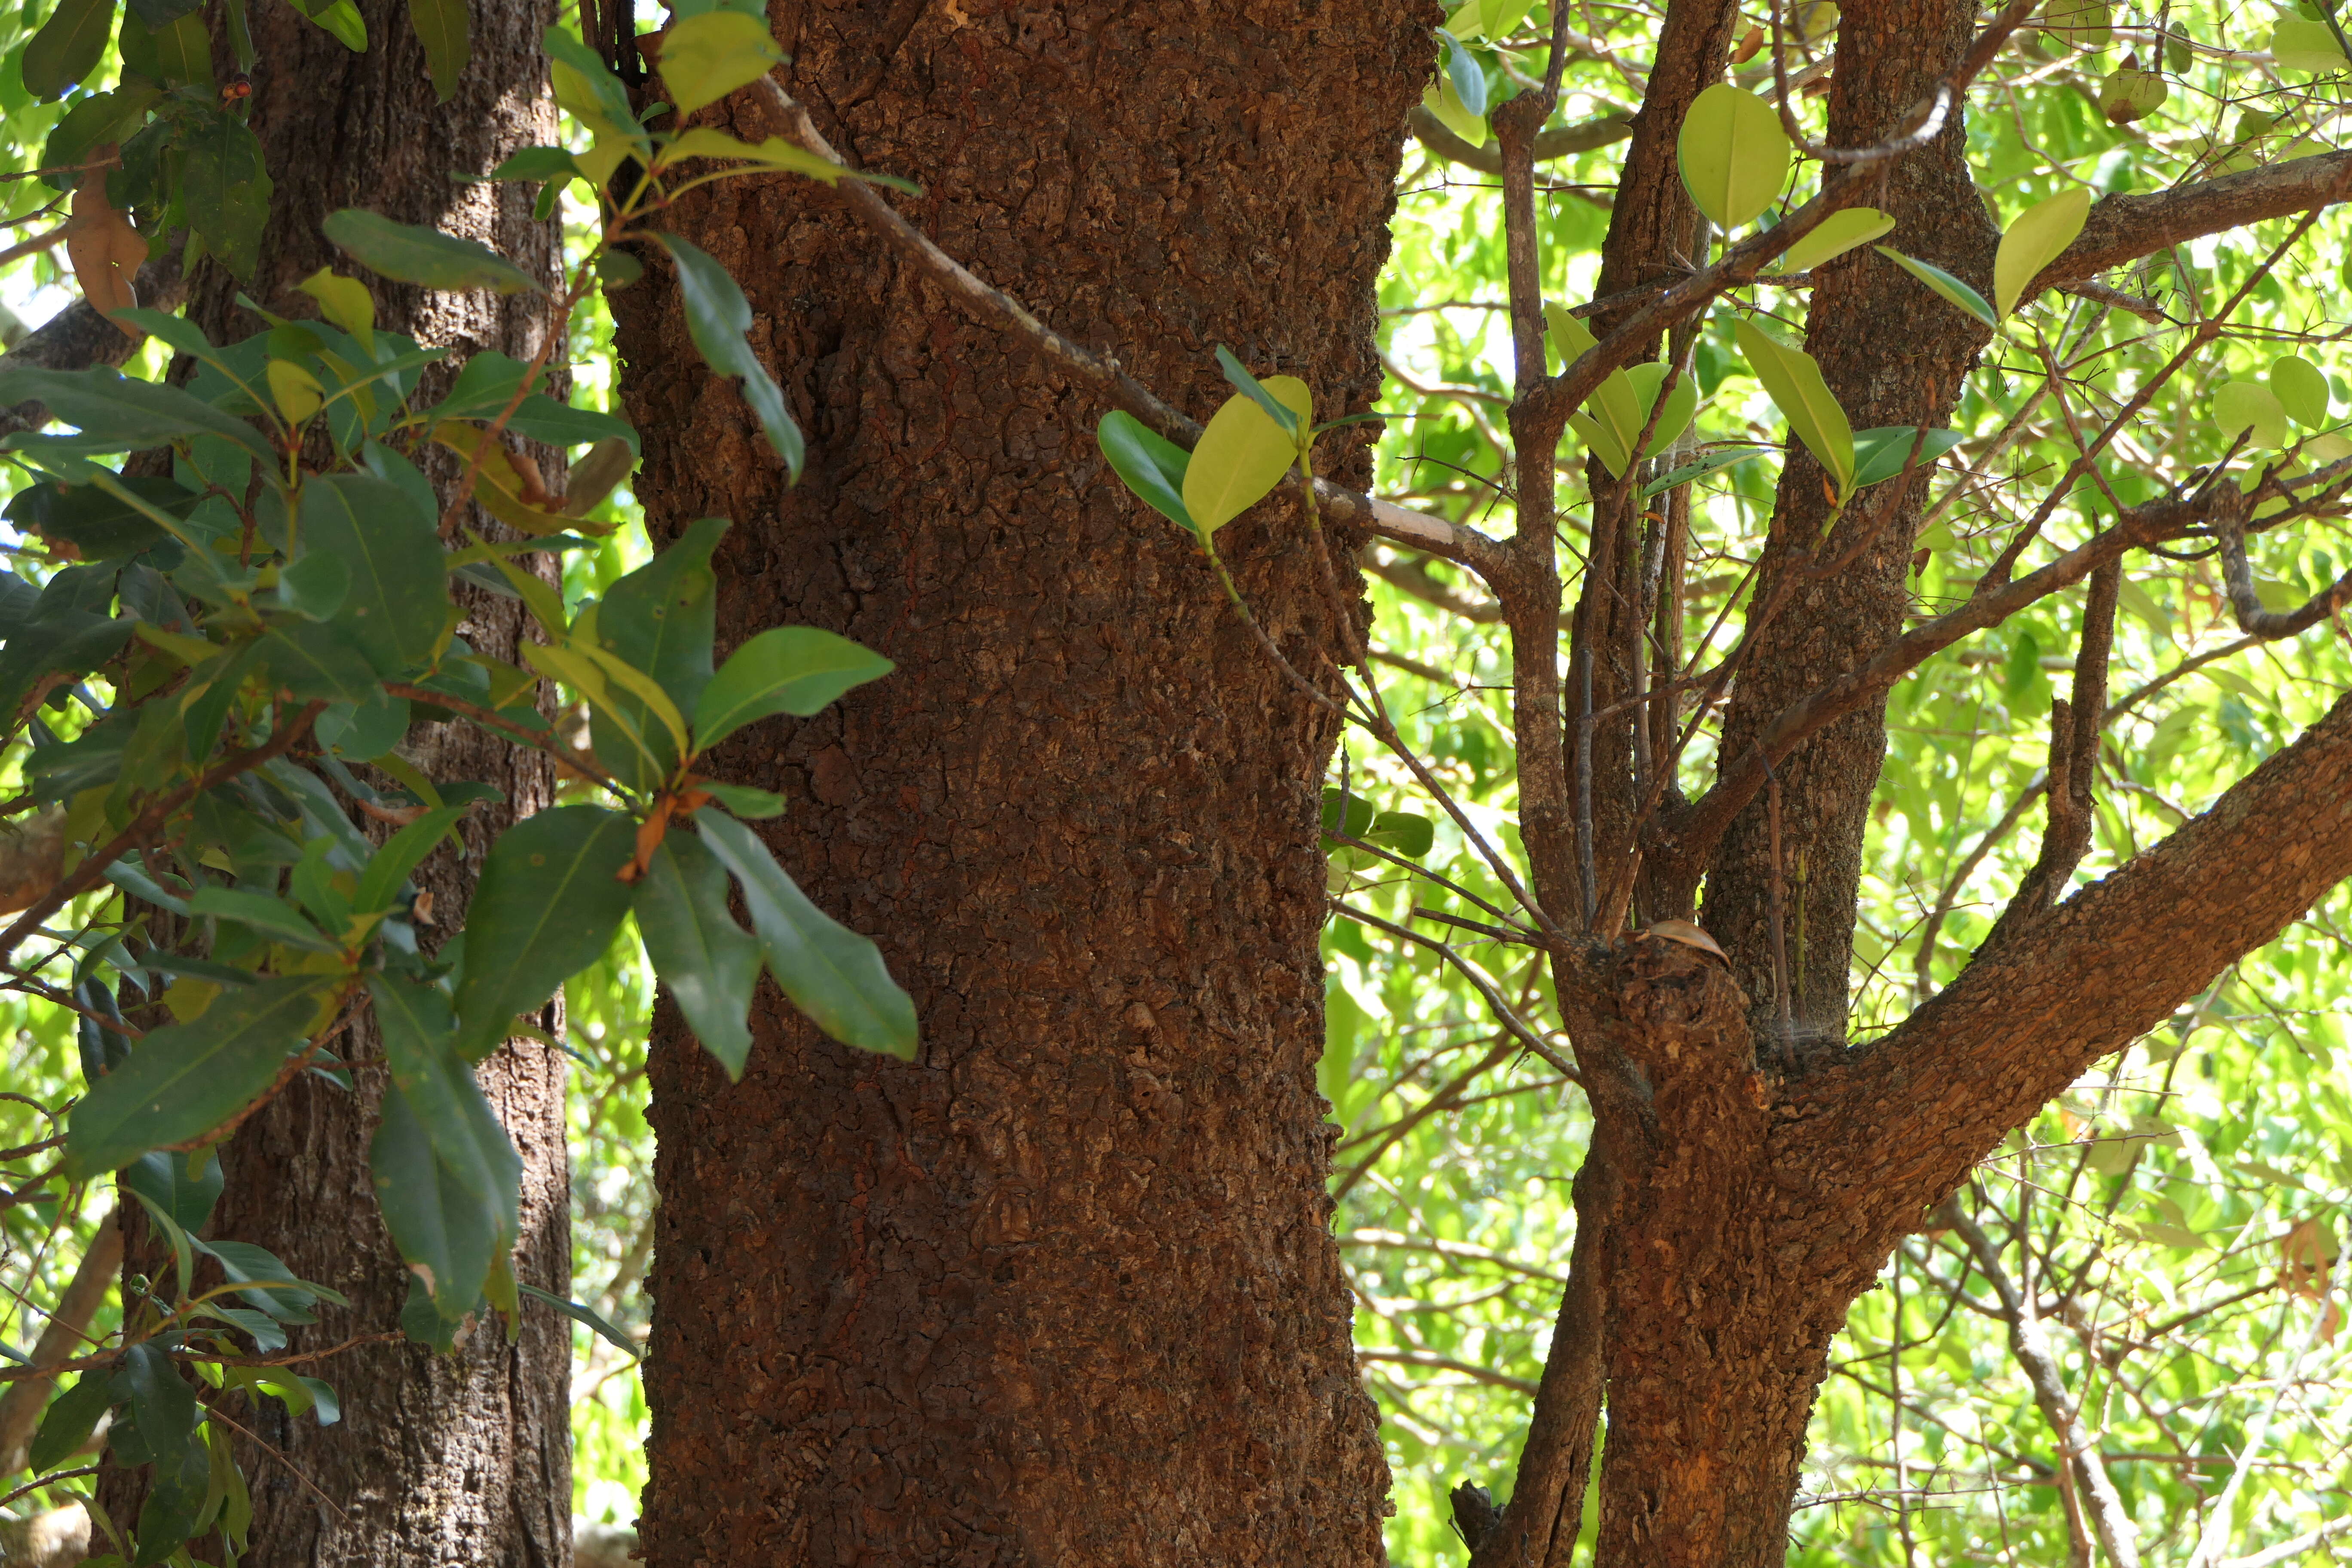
(1062, 1292)
(1893, 354)
(463, 1461)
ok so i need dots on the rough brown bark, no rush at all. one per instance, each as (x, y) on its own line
(1891, 354)
(465, 1460)
(1060, 1292)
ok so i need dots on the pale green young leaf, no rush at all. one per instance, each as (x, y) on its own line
(344, 302)
(1733, 153)
(1242, 455)
(2248, 404)
(1840, 232)
(2302, 390)
(2299, 44)
(2036, 239)
(1794, 382)
(705, 57)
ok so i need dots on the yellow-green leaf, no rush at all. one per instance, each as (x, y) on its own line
(2039, 236)
(775, 153)
(344, 302)
(1440, 99)
(2307, 47)
(1839, 233)
(295, 390)
(1734, 154)
(1242, 455)
(2248, 404)
(1794, 382)
(2302, 390)
(705, 57)
(644, 688)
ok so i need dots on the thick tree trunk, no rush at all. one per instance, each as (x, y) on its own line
(464, 1460)
(1061, 1291)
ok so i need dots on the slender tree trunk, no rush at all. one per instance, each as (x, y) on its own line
(1061, 1291)
(438, 1460)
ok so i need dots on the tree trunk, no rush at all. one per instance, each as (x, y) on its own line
(461, 1460)
(1062, 1291)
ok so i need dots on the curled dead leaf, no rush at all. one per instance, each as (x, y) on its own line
(1684, 932)
(106, 252)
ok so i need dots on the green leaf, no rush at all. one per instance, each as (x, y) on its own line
(339, 20)
(184, 1079)
(1794, 382)
(163, 1179)
(586, 1318)
(272, 916)
(1950, 288)
(390, 866)
(2296, 45)
(123, 414)
(178, 51)
(550, 900)
(709, 963)
(1441, 100)
(412, 255)
(2130, 93)
(536, 164)
(1242, 455)
(784, 670)
(752, 804)
(446, 1178)
(1464, 74)
(1249, 386)
(718, 316)
(1713, 463)
(67, 46)
(1402, 833)
(2241, 404)
(2302, 390)
(705, 57)
(225, 189)
(659, 619)
(315, 661)
(100, 524)
(71, 1417)
(1880, 454)
(1840, 232)
(1733, 153)
(442, 27)
(2038, 236)
(399, 587)
(1148, 463)
(833, 975)
(314, 586)
(267, 1283)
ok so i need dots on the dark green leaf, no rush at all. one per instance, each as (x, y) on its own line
(268, 1283)
(123, 414)
(184, 1079)
(833, 975)
(413, 255)
(1152, 466)
(71, 1417)
(67, 46)
(100, 118)
(401, 855)
(659, 619)
(442, 27)
(98, 524)
(550, 900)
(313, 661)
(784, 670)
(163, 1406)
(225, 189)
(718, 316)
(314, 586)
(446, 1178)
(709, 963)
(162, 1178)
(399, 586)
(586, 1318)
(156, 12)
